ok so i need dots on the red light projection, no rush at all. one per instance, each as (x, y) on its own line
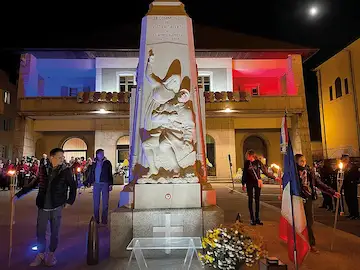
(269, 77)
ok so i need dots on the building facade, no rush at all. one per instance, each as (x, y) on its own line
(339, 85)
(80, 100)
(8, 113)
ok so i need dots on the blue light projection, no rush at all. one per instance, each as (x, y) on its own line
(58, 77)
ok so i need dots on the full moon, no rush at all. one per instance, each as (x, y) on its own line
(313, 11)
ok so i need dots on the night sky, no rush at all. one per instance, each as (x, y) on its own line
(56, 23)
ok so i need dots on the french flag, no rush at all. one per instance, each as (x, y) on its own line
(292, 226)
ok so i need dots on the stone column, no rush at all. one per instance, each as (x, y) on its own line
(24, 137)
(229, 74)
(223, 132)
(299, 122)
(106, 137)
(28, 76)
(98, 83)
(300, 136)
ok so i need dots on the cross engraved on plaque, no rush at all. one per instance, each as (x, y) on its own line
(168, 231)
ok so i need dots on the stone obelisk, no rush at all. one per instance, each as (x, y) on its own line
(167, 138)
(167, 127)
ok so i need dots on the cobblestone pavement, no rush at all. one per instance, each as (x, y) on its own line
(71, 253)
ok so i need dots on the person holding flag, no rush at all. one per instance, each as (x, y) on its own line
(308, 181)
(293, 227)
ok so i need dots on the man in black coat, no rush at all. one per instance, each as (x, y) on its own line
(350, 186)
(101, 177)
(57, 190)
(308, 181)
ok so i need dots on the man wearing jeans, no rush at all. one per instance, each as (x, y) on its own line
(57, 190)
(102, 178)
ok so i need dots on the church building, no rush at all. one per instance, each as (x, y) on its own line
(79, 99)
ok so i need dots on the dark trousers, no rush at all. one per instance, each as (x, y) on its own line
(101, 190)
(21, 180)
(5, 182)
(251, 191)
(351, 199)
(308, 208)
(328, 202)
(54, 217)
(2, 182)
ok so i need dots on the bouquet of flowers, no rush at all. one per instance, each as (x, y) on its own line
(229, 248)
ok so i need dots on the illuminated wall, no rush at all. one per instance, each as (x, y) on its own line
(55, 77)
(269, 76)
(339, 103)
(109, 69)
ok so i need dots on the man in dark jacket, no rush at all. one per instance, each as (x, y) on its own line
(350, 186)
(102, 178)
(54, 181)
(251, 180)
(308, 182)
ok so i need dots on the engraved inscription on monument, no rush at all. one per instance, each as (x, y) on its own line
(167, 29)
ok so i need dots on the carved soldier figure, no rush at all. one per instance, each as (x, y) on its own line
(171, 146)
(163, 89)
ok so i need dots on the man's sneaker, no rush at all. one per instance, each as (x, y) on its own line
(39, 259)
(252, 223)
(50, 259)
(258, 222)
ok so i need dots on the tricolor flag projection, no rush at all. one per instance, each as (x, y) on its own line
(284, 138)
(293, 213)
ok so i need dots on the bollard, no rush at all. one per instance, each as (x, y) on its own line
(93, 243)
(238, 218)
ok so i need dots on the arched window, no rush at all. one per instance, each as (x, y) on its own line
(74, 147)
(210, 154)
(122, 149)
(338, 89)
(257, 144)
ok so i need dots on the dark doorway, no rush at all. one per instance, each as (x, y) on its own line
(210, 152)
(257, 144)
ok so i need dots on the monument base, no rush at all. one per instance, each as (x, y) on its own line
(208, 197)
(162, 180)
(130, 223)
(158, 196)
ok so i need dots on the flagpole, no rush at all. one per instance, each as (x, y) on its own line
(293, 224)
(291, 196)
(12, 175)
(339, 181)
(231, 175)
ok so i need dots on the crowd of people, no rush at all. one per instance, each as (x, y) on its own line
(27, 169)
(322, 177)
(328, 173)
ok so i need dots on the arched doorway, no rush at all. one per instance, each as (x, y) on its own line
(74, 147)
(257, 144)
(122, 149)
(210, 154)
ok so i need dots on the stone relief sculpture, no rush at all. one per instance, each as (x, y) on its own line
(169, 149)
(163, 89)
